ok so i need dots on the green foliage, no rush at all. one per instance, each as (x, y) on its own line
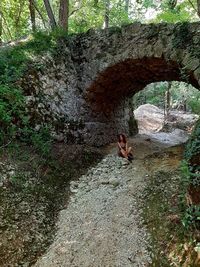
(180, 93)
(183, 11)
(191, 178)
(44, 41)
(193, 146)
(12, 64)
(190, 174)
(191, 216)
(12, 111)
(194, 105)
(14, 61)
(87, 14)
(153, 94)
(195, 176)
(41, 140)
(185, 172)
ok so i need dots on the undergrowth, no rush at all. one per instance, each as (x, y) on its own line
(14, 62)
(191, 181)
(172, 210)
(35, 189)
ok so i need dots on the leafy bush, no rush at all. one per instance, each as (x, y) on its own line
(42, 140)
(191, 178)
(190, 174)
(185, 172)
(14, 61)
(12, 111)
(193, 146)
(191, 216)
(194, 104)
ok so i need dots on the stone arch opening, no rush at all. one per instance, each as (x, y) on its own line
(126, 78)
(110, 93)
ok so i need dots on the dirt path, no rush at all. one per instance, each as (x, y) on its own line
(102, 225)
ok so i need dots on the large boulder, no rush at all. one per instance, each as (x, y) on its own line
(151, 119)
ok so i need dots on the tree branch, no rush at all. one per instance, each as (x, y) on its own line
(77, 9)
(40, 14)
(193, 6)
(4, 19)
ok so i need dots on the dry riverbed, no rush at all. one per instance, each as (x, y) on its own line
(106, 222)
(33, 188)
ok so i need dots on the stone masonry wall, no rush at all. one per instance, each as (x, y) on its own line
(84, 92)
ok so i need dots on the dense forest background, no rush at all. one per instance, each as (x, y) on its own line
(170, 95)
(19, 18)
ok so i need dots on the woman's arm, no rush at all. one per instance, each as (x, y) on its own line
(119, 146)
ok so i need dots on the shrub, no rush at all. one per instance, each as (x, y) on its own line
(191, 216)
(193, 146)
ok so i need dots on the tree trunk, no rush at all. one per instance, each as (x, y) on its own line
(167, 99)
(40, 14)
(198, 7)
(50, 14)
(18, 17)
(1, 25)
(6, 26)
(107, 11)
(64, 14)
(126, 6)
(32, 14)
(185, 105)
(172, 4)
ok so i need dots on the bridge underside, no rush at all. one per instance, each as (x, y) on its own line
(130, 76)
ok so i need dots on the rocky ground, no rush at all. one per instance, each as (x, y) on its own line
(33, 188)
(109, 216)
(103, 223)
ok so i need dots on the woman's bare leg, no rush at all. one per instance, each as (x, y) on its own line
(124, 153)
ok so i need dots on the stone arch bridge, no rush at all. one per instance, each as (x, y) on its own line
(84, 90)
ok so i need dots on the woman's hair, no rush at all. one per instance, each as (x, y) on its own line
(123, 137)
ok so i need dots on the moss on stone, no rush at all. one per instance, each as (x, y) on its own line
(133, 127)
(182, 36)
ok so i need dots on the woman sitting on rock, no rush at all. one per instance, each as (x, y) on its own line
(124, 150)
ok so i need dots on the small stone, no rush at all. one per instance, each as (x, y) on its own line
(114, 182)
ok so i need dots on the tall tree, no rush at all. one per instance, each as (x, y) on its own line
(172, 3)
(198, 8)
(40, 13)
(19, 14)
(1, 24)
(64, 14)
(50, 14)
(167, 99)
(107, 13)
(32, 14)
(126, 5)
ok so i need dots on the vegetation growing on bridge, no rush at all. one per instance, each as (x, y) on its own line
(20, 18)
(14, 62)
